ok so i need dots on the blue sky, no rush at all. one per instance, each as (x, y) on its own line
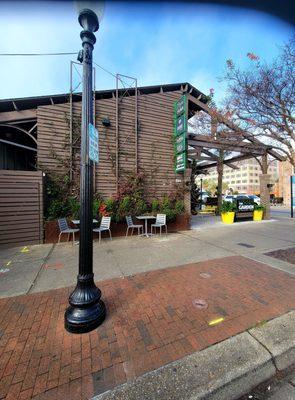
(154, 42)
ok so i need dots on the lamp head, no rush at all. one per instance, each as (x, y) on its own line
(90, 14)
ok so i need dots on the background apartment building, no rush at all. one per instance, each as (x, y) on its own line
(246, 178)
(284, 186)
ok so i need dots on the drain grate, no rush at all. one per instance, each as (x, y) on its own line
(249, 246)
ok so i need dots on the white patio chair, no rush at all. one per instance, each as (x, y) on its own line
(104, 226)
(64, 228)
(132, 226)
(160, 221)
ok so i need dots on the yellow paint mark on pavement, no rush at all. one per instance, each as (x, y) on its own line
(8, 263)
(216, 321)
(25, 250)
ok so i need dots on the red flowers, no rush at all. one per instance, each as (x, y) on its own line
(103, 210)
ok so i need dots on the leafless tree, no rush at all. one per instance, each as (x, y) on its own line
(261, 99)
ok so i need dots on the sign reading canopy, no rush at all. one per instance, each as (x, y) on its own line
(93, 143)
(180, 144)
(180, 163)
(180, 106)
(180, 133)
(181, 124)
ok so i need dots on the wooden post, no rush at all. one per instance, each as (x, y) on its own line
(220, 178)
(187, 190)
(264, 166)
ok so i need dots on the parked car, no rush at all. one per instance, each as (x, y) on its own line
(235, 197)
(255, 198)
(230, 198)
(205, 195)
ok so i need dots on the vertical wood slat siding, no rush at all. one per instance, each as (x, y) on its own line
(155, 146)
(21, 207)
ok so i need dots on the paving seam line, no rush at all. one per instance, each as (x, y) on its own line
(261, 234)
(108, 394)
(269, 263)
(41, 267)
(263, 345)
(236, 252)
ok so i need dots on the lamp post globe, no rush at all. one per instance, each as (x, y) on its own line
(90, 14)
(86, 310)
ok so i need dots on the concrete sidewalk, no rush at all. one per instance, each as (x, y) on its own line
(154, 319)
(219, 373)
(199, 315)
(47, 267)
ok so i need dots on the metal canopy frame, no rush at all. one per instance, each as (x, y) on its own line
(130, 86)
(236, 140)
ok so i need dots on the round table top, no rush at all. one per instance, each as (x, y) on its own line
(145, 217)
(77, 221)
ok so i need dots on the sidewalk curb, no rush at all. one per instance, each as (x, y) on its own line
(224, 371)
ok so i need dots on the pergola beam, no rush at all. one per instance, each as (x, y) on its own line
(14, 106)
(198, 157)
(242, 147)
(215, 158)
(215, 114)
(18, 145)
(231, 160)
(16, 116)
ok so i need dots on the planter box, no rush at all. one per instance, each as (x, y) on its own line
(228, 217)
(181, 223)
(257, 215)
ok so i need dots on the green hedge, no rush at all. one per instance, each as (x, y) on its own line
(117, 209)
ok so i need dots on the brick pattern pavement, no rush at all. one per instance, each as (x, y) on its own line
(153, 319)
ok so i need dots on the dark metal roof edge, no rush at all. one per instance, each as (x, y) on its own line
(35, 101)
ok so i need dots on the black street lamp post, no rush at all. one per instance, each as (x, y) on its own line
(201, 193)
(86, 310)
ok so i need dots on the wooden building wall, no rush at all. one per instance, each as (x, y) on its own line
(154, 141)
(21, 207)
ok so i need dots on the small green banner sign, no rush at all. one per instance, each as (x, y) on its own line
(180, 163)
(181, 124)
(180, 143)
(180, 106)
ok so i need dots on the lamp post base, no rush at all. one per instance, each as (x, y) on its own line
(82, 320)
(86, 311)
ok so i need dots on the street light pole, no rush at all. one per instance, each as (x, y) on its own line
(201, 193)
(86, 311)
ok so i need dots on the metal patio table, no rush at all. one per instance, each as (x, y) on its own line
(146, 217)
(77, 223)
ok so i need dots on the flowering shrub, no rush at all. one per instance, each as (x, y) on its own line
(131, 200)
(103, 211)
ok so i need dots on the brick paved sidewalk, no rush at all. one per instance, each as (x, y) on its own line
(153, 318)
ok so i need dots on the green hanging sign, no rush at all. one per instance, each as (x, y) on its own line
(180, 133)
